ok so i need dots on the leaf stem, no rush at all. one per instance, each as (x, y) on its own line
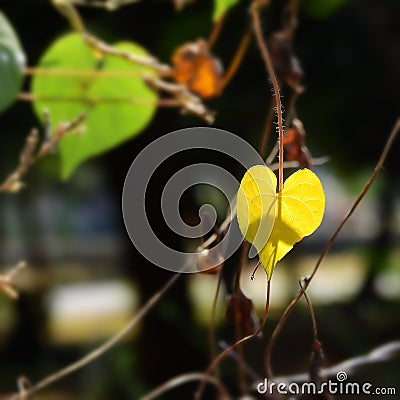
(255, 8)
(215, 32)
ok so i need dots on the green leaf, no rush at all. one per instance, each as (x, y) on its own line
(118, 104)
(12, 63)
(221, 7)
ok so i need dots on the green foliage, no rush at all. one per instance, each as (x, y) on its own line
(323, 9)
(221, 7)
(118, 107)
(12, 63)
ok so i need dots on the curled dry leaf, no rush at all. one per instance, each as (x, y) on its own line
(286, 65)
(240, 311)
(197, 69)
(294, 143)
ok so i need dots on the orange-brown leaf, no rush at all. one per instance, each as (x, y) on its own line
(199, 70)
(240, 311)
(294, 143)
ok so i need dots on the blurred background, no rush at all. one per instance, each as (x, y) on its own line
(85, 279)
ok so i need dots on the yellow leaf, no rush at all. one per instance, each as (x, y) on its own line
(256, 201)
(298, 211)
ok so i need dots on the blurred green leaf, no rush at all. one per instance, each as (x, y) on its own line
(319, 9)
(221, 7)
(12, 63)
(117, 107)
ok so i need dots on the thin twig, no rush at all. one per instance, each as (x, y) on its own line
(30, 153)
(215, 32)
(7, 281)
(67, 9)
(226, 352)
(211, 332)
(317, 354)
(378, 167)
(237, 59)
(290, 17)
(352, 366)
(187, 100)
(185, 378)
(255, 12)
(386, 352)
(238, 331)
(113, 5)
(32, 71)
(273, 153)
(105, 347)
(181, 97)
(331, 240)
(24, 384)
(13, 183)
(109, 5)
(60, 131)
(275, 334)
(146, 61)
(249, 370)
(92, 101)
(295, 164)
(311, 308)
(242, 263)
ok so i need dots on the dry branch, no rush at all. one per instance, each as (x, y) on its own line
(102, 349)
(7, 281)
(30, 153)
(352, 366)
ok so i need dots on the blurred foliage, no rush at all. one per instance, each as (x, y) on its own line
(349, 53)
(221, 7)
(323, 9)
(12, 63)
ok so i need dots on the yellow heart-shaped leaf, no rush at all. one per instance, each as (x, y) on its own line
(298, 211)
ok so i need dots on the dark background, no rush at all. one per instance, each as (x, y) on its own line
(350, 56)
